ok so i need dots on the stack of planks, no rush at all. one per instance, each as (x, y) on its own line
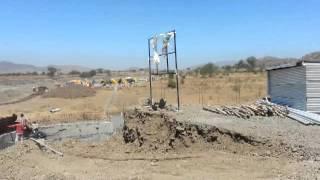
(260, 108)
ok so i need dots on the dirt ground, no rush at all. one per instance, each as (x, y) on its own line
(284, 149)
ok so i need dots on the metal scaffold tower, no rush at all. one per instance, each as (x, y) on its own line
(168, 51)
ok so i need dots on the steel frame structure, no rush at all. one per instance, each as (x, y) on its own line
(157, 73)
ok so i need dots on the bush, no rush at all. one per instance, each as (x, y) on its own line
(207, 69)
(172, 83)
(88, 74)
(74, 72)
(52, 71)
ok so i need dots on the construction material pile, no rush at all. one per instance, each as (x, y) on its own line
(260, 108)
(156, 131)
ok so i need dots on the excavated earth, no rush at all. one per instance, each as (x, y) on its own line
(161, 132)
(165, 145)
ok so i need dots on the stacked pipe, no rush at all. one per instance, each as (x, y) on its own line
(260, 108)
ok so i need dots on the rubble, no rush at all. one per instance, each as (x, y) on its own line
(260, 108)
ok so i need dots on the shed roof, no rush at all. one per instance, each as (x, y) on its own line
(290, 65)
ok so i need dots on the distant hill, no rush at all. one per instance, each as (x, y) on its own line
(312, 56)
(274, 61)
(9, 67)
(269, 61)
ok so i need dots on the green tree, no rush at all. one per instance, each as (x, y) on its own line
(172, 83)
(88, 74)
(227, 68)
(74, 72)
(51, 71)
(108, 72)
(208, 69)
(252, 63)
(241, 65)
(100, 70)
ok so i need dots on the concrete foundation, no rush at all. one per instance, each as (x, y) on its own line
(88, 131)
(82, 130)
(7, 139)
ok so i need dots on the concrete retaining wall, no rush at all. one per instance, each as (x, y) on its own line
(88, 130)
(82, 130)
(7, 139)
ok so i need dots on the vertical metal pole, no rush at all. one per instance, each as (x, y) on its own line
(167, 58)
(177, 71)
(150, 77)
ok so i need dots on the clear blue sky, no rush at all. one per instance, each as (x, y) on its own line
(113, 34)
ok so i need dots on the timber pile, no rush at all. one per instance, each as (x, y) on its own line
(260, 108)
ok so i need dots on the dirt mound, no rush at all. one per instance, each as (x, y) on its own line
(159, 132)
(70, 92)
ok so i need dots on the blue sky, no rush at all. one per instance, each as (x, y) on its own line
(113, 34)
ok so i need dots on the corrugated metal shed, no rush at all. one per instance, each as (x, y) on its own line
(313, 86)
(297, 86)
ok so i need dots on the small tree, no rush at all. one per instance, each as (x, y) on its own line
(241, 65)
(227, 68)
(108, 72)
(100, 70)
(74, 72)
(92, 73)
(208, 69)
(88, 74)
(51, 71)
(252, 63)
(172, 83)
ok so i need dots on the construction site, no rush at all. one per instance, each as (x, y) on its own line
(161, 123)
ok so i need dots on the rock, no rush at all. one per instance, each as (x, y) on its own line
(268, 153)
(293, 149)
(317, 158)
(154, 163)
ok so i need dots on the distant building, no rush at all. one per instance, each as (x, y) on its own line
(296, 85)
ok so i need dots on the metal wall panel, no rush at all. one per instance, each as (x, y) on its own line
(313, 87)
(287, 86)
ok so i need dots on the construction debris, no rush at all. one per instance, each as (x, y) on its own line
(41, 143)
(53, 110)
(306, 118)
(260, 108)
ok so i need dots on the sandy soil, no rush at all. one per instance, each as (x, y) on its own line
(34, 164)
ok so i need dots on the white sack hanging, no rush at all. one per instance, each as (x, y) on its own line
(156, 57)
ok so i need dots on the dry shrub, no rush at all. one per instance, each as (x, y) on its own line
(70, 92)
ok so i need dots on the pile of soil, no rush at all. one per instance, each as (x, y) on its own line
(70, 92)
(160, 132)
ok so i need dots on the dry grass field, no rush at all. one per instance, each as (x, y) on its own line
(220, 89)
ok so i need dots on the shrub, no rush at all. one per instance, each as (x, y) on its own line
(172, 83)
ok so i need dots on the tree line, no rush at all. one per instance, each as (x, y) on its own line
(248, 65)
